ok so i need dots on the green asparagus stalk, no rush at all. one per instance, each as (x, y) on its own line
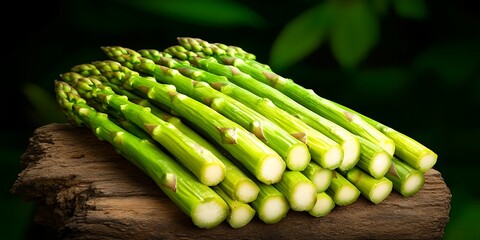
(373, 159)
(321, 177)
(240, 213)
(263, 162)
(206, 208)
(236, 183)
(323, 206)
(271, 205)
(305, 97)
(323, 150)
(294, 152)
(203, 164)
(407, 149)
(348, 142)
(375, 190)
(406, 180)
(342, 191)
(298, 189)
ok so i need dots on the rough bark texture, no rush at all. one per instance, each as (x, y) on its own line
(85, 190)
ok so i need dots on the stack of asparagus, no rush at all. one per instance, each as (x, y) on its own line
(228, 139)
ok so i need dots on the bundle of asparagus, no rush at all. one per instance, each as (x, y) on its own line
(228, 139)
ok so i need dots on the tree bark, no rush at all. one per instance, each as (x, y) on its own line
(85, 190)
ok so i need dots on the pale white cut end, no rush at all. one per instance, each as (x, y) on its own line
(303, 196)
(380, 191)
(298, 157)
(389, 147)
(273, 209)
(427, 161)
(322, 179)
(212, 174)
(333, 157)
(241, 215)
(246, 191)
(209, 213)
(380, 165)
(323, 205)
(351, 154)
(346, 195)
(412, 184)
(271, 169)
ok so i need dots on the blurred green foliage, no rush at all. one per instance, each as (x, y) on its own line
(411, 64)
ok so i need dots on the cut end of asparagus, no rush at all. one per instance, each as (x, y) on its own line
(322, 179)
(380, 165)
(333, 157)
(298, 157)
(380, 191)
(271, 169)
(240, 215)
(273, 209)
(351, 154)
(323, 205)
(346, 195)
(412, 183)
(246, 191)
(212, 174)
(303, 196)
(210, 213)
(389, 146)
(427, 161)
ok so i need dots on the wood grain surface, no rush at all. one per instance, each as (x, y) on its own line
(85, 190)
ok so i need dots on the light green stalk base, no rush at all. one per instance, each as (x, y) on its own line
(342, 191)
(240, 213)
(351, 153)
(271, 205)
(373, 159)
(320, 177)
(323, 206)
(209, 213)
(406, 180)
(298, 189)
(375, 190)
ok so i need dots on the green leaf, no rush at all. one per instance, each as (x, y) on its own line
(413, 9)
(355, 31)
(208, 12)
(301, 36)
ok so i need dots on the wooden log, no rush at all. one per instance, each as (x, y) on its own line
(85, 190)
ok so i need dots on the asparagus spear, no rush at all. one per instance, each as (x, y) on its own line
(342, 191)
(323, 150)
(406, 180)
(321, 177)
(407, 149)
(294, 152)
(236, 184)
(298, 189)
(271, 205)
(375, 190)
(203, 164)
(305, 97)
(240, 213)
(323, 206)
(348, 141)
(373, 159)
(206, 208)
(263, 162)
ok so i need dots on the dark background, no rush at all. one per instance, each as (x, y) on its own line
(414, 67)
